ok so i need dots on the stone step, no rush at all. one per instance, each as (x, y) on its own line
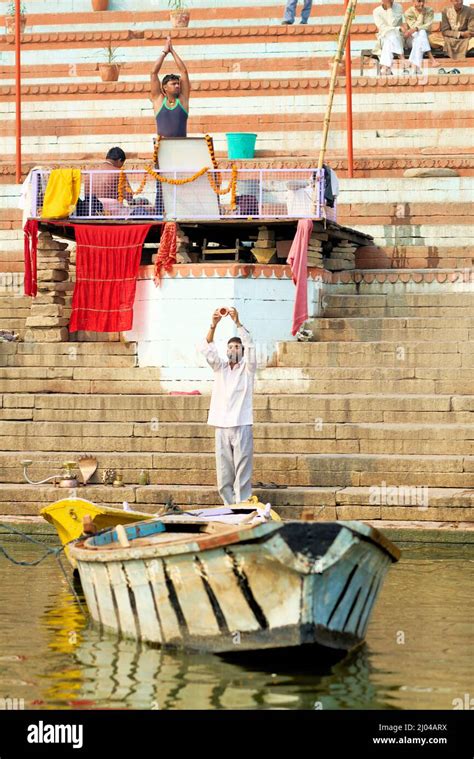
(319, 437)
(298, 469)
(409, 353)
(399, 299)
(371, 380)
(399, 311)
(70, 360)
(201, 433)
(277, 374)
(328, 408)
(391, 329)
(320, 503)
(260, 416)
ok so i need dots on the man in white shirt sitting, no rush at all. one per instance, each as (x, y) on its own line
(231, 411)
(388, 18)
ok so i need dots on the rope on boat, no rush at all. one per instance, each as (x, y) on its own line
(56, 552)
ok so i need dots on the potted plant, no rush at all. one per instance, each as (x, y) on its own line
(100, 5)
(109, 71)
(179, 14)
(10, 17)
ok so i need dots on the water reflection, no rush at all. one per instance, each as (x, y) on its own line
(113, 673)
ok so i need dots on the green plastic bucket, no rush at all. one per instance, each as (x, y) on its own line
(240, 145)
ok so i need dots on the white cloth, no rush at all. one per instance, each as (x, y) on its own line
(419, 45)
(232, 392)
(299, 199)
(391, 44)
(234, 463)
(26, 196)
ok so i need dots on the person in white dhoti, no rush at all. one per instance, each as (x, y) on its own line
(418, 23)
(231, 409)
(388, 18)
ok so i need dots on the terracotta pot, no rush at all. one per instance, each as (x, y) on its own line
(10, 24)
(100, 5)
(180, 19)
(109, 72)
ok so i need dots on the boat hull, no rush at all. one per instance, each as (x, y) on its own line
(279, 586)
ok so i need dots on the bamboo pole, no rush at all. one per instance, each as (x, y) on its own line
(349, 130)
(345, 29)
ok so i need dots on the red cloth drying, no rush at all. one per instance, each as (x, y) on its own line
(107, 261)
(167, 254)
(30, 250)
(298, 261)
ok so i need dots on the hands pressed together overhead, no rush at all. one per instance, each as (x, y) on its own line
(168, 46)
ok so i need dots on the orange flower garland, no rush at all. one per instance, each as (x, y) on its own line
(124, 185)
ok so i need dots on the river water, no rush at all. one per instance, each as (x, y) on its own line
(419, 652)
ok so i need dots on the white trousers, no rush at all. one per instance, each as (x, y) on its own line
(419, 45)
(234, 463)
(391, 44)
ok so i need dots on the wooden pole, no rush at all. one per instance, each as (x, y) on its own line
(350, 150)
(18, 91)
(343, 34)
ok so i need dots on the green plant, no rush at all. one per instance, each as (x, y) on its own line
(177, 5)
(11, 8)
(110, 54)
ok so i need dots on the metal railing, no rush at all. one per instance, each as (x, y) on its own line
(259, 194)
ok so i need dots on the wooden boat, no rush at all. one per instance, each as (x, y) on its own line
(225, 589)
(68, 514)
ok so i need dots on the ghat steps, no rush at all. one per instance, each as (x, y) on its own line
(341, 423)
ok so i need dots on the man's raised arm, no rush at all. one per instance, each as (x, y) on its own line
(247, 341)
(156, 92)
(185, 83)
(208, 348)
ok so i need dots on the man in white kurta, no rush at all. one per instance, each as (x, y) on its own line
(231, 410)
(388, 18)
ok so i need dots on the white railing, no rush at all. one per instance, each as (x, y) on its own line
(259, 194)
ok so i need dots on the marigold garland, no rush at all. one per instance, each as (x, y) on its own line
(124, 185)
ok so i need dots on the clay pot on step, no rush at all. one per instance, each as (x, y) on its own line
(10, 24)
(109, 72)
(100, 5)
(180, 19)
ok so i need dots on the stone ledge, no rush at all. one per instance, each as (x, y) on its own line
(252, 85)
(403, 275)
(204, 33)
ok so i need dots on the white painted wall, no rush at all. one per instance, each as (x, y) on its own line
(170, 321)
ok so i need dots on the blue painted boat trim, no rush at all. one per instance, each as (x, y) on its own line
(140, 530)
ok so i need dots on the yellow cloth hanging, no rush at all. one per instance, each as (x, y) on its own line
(62, 193)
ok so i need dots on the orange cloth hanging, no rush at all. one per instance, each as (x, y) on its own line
(167, 254)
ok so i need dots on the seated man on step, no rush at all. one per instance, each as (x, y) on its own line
(388, 18)
(415, 30)
(456, 35)
(231, 410)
